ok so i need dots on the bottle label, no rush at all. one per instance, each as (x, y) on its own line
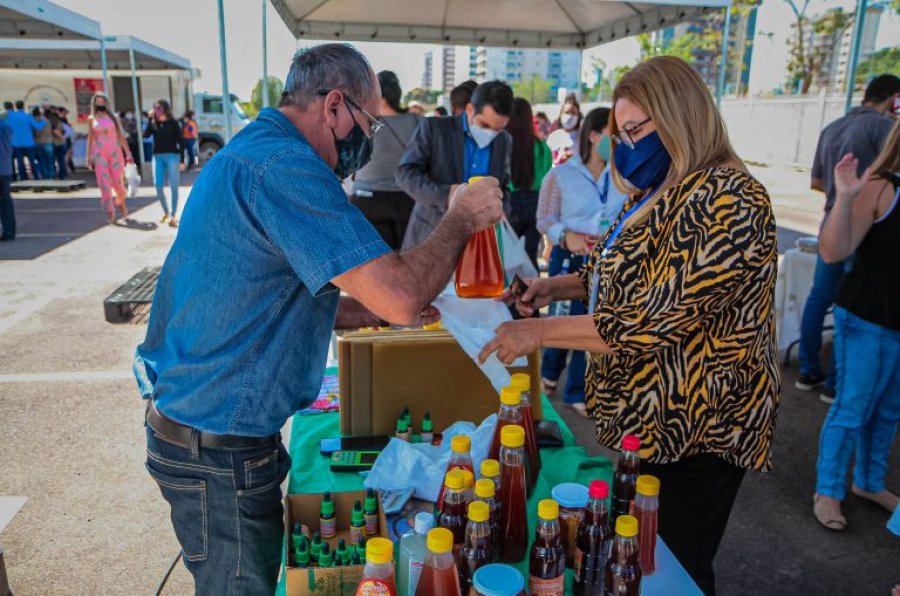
(415, 573)
(548, 587)
(374, 587)
(328, 527)
(371, 523)
(356, 532)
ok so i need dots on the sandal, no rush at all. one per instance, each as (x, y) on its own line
(579, 408)
(548, 386)
(884, 498)
(835, 523)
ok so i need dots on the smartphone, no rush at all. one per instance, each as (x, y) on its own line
(517, 286)
(370, 443)
(353, 461)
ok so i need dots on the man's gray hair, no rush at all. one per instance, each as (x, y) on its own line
(327, 66)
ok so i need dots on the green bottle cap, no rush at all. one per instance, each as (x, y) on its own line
(301, 555)
(402, 425)
(327, 509)
(326, 559)
(356, 516)
(341, 549)
(355, 560)
(426, 423)
(407, 416)
(361, 548)
(316, 547)
(371, 502)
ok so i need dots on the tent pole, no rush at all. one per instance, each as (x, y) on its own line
(137, 105)
(723, 61)
(226, 94)
(859, 22)
(103, 64)
(265, 64)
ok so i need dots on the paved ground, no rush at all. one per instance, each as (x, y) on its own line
(71, 437)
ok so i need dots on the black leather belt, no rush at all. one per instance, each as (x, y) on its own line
(183, 436)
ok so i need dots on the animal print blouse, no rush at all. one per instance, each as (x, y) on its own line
(686, 305)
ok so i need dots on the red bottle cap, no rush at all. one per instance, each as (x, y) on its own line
(631, 443)
(598, 489)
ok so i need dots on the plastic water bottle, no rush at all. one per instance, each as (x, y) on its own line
(564, 307)
(413, 548)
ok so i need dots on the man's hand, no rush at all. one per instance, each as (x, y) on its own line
(514, 339)
(538, 295)
(480, 203)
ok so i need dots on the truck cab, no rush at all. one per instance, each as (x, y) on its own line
(210, 114)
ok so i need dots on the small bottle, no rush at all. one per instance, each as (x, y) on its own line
(490, 468)
(326, 558)
(513, 518)
(297, 535)
(623, 571)
(427, 429)
(646, 508)
(572, 498)
(357, 522)
(484, 492)
(341, 553)
(498, 580)
(510, 413)
(478, 549)
(408, 417)
(355, 559)
(402, 429)
(301, 554)
(371, 512)
(439, 577)
(413, 548)
(361, 548)
(378, 575)
(522, 382)
(453, 509)
(460, 457)
(548, 557)
(315, 547)
(592, 543)
(327, 520)
(624, 480)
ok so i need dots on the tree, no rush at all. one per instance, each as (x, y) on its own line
(276, 87)
(427, 97)
(886, 60)
(602, 90)
(807, 56)
(534, 89)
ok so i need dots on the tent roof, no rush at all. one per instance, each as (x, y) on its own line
(562, 24)
(39, 19)
(70, 54)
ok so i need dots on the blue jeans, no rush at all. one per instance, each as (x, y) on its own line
(44, 153)
(866, 407)
(190, 147)
(226, 511)
(59, 153)
(554, 359)
(167, 167)
(19, 155)
(7, 212)
(821, 297)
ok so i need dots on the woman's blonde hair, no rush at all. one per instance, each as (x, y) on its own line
(685, 115)
(889, 159)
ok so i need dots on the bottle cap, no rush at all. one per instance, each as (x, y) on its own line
(599, 489)
(379, 551)
(298, 528)
(402, 425)
(510, 396)
(455, 480)
(424, 522)
(498, 580)
(327, 509)
(548, 510)
(522, 381)
(647, 485)
(479, 511)
(570, 495)
(490, 468)
(356, 516)
(484, 488)
(433, 326)
(317, 538)
(361, 545)
(371, 500)
(440, 540)
(512, 435)
(627, 526)
(631, 443)
(468, 478)
(475, 179)
(342, 546)
(460, 444)
(426, 422)
(355, 560)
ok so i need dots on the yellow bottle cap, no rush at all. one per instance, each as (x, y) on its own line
(522, 381)
(484, 488)
(479, 511)
(379, 551)
(511, 396)
(627, 526)
(490, 468)
(548, 509)
(433, 327)
(512, 435)
(475, 179)
(460, 444)
(648, 485)
(468, 478)
(455, 480)
(440, 540)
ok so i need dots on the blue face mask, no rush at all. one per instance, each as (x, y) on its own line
(645, 166)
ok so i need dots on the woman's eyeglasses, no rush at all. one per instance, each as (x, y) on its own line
(626, 135)
(375, 123)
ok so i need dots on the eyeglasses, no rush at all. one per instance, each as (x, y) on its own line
(375, 123)
(626, 135)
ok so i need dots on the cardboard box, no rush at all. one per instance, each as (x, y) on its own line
(384, 371)
(331, 581)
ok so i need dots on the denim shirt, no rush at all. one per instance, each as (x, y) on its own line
(244, 308)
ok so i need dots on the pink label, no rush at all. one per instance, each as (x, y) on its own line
(328, 527)
(548, 587)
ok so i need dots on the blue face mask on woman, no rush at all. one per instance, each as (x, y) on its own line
(646, 166)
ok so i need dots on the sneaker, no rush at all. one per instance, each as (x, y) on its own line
(827, 395)
(809, 382)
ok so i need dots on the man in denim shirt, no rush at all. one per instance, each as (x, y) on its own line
(246, 301)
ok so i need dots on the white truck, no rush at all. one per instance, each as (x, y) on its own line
(210, 115)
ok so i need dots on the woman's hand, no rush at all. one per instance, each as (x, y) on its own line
(539, 294)
(514, 339)
(846, 183)
(580, 244)
(89, 163)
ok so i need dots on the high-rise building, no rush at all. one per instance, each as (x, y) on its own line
(561, 68)
(428, 75)
(448, 68)
(839, 67)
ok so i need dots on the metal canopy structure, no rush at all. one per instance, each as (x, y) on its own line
(70, 54)
(38, 19)
(562, 24)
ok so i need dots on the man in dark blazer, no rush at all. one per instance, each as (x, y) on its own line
(445, 152)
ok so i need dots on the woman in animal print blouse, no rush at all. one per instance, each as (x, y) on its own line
(680, 291)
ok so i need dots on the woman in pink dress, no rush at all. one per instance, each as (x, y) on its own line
(106, 144)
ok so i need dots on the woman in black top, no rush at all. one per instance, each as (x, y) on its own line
(864, 222)
(167, 148)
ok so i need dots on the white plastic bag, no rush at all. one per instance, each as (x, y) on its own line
(133, 179)
(512, 249)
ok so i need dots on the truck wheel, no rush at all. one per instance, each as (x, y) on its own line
(207, 150)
